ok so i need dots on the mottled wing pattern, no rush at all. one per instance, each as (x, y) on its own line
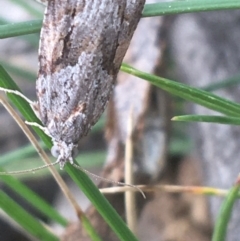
(81, 49)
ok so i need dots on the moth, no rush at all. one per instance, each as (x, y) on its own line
(82, 45)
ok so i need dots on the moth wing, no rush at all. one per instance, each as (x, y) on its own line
(81, 50)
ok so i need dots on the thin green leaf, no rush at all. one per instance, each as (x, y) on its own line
(220, 229)
(31, 39)
(24, 219)
(208, 118)
(101, 204)
(33, 198)
(150, 10)
(186, 92)
(18, 29)
(177, 7)
(90, 230)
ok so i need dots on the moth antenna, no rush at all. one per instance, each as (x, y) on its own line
(28, 170)
(109, 181)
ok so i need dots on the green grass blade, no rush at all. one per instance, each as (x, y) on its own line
(90, 230)
(208, 118)
(186, 92)
(24, 219)
(177, 7)
(33, 199)
(18, 29)
(150, 10)
(31, 39)
(101, 204)
(220, 229)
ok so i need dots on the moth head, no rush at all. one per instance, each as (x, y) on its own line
(64, 152)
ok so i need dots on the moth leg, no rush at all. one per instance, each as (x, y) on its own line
(44, 129)
(71, 160)
(16, 92)
(33, 104)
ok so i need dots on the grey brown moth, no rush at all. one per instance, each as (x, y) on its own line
(82, 46)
